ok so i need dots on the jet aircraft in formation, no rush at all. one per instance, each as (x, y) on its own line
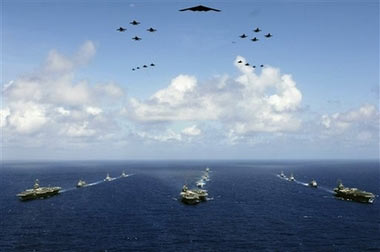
(151, 29)
(121, 29)
(247, 64)
(144, 66)
(134, 22)
(136, 38)
(268, 35)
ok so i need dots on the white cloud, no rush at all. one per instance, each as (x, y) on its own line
(52, 102)
(337, 123)
(250, 103)
(191, 131)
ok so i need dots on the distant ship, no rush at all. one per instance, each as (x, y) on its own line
(124, 175)
(313, 183)
(200, 183)
(291, 178)
(81, 183)
(353, 194)
(38, 192)
(189, 197)
(108, 178)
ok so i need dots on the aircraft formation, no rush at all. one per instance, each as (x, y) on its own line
(255, 39)
(144, 66)
(199, 8)
(247, 64)
(134, 23)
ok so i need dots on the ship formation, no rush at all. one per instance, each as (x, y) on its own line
(196, 195)
(341, 192)
(38, 192)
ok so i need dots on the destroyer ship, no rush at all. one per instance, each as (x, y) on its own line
(38, 192)
(353, 194)
(81, 183)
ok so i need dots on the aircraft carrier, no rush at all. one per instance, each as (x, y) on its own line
(38, 192)
(353, 194)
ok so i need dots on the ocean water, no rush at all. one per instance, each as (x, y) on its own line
(250, 207)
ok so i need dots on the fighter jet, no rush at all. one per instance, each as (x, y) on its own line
(133, 69)
(247, 64)
(145, 66)
(243, 35)
(253, 66)
(261, 65)
(121, 29)
(257, 29)
(255, 39)
(240, 61)
(134, 22)
(137, 67)
(152, 64)
(151, 29)
(200, 8)
(136, 38)
(268, 35)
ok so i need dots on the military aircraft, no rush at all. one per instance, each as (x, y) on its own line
(133, 69)
(152, 64)
(257, 29)
(145, 66)
(240, 61)
(268, 35)
(255, 39)
(134, 22)
(136, 38)
(121, 29)
(200, 8)
(247, 64)
(261, 65)
(253, 66)
(243, 35)
(137, 67)
(151, 29)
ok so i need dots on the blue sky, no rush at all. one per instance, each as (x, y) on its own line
(329, 108)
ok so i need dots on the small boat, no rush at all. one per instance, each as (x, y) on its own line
(81, 183)
(282, 175)
(108, 178)
(291, 178)
(124, 175)
(313, 183)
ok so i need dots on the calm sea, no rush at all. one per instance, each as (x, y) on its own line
(250, 207)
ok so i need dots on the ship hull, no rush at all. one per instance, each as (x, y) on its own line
(355, 197)
(33, 196)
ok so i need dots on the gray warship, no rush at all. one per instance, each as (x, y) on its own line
(38, 192)
(81, 183)
(353, 194)
(189, 197)
(313, 183)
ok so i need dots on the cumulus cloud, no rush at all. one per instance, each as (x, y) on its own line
(361, 123)
(51, 101)
(252, 102)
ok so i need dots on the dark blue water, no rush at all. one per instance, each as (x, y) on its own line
(252, 209)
